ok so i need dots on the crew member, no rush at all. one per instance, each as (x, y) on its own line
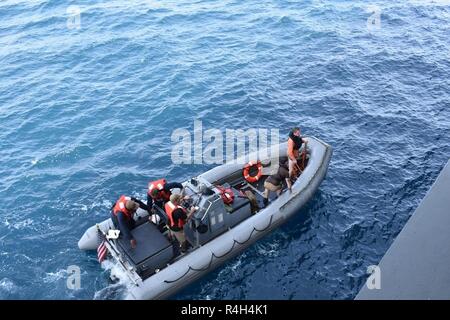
(294, 144)
(159, 192)
(178, 216)
(274, 183)
(122, 216)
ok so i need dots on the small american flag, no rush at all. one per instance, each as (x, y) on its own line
(102, 251)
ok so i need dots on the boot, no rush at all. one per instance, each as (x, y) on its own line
(184, 247)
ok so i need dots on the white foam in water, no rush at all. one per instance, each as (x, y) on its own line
(431, 2)
(268, 249)
(23, 224)
(34, 161)
(18, 225)
(23, 256)
(55, 276)
(107, 203)
(85, 207)
(7, 286)
(115, 288)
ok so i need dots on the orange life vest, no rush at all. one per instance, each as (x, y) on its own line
(158, 185)
(120, 207)
(170, 208)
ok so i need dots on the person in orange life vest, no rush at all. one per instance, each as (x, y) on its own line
(159, 192)
(122, 216)
(294, 144)
(178, 216)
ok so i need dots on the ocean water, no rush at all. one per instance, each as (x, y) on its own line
(88, 106)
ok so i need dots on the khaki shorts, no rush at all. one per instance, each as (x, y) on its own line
(271, 187)
(179, 235)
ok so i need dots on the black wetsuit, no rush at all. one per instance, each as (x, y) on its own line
(298, 141)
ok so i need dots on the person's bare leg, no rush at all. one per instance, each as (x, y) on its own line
(291, 168)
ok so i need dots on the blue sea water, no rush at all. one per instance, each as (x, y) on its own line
(87, 113)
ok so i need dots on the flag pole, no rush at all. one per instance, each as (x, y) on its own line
(115, 253)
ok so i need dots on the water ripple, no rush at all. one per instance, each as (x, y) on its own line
(88, 113)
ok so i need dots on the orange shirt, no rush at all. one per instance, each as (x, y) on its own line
(292, 154)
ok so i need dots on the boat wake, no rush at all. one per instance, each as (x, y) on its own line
(119, 282)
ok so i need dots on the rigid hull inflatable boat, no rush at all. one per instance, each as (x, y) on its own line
(217, 231)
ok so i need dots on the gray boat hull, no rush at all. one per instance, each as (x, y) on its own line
(204, 259)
